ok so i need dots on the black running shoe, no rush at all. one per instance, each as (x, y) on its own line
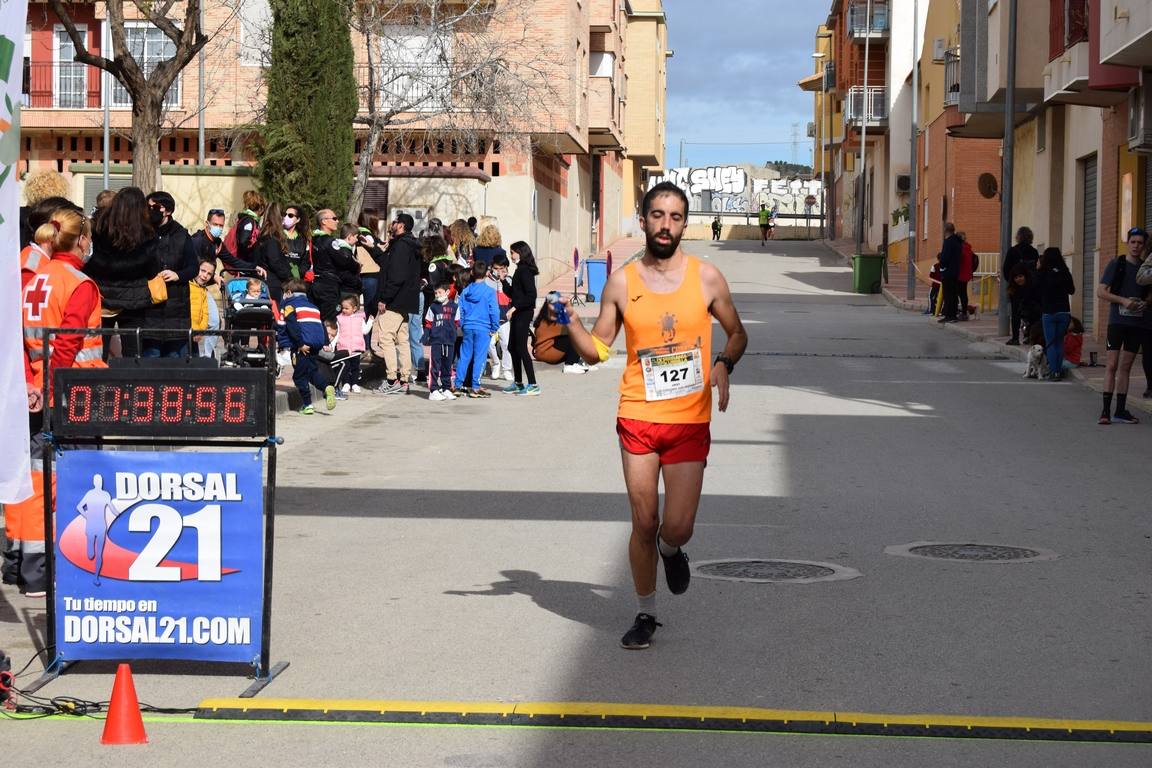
(1125, 417)
(640, 636)
(677, 572)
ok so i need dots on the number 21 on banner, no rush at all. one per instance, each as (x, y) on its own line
(170, 525)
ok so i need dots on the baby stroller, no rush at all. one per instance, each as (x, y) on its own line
(244, 312)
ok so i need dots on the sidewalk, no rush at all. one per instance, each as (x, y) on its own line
(622, 250)
(983, 327)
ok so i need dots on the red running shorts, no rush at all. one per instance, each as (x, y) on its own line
(675, 443)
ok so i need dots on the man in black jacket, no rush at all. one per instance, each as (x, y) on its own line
(208, 242)
(331, 266)
(1021, 253)
(950, 257)
(178, 265)
(398, 297)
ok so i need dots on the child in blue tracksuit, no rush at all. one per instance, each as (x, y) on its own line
(440, 335)
(306, 336)
(479, 319)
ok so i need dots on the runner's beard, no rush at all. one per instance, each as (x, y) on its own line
(660, 250)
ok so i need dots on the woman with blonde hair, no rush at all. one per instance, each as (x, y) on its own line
(461, 242)
(488, 245)
(39, 186)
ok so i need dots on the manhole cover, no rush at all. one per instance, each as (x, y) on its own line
(971, 553)
(773, 571)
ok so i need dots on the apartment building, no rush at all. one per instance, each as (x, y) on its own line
(1082, 127)
(1077, 176)
(855, 107)
(958, 177)
(646, 75)
(572, 182)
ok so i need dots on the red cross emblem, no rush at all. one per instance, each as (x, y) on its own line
(36, 295)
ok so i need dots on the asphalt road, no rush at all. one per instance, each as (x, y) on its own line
(475, 551)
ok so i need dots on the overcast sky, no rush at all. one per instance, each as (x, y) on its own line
(733, 78)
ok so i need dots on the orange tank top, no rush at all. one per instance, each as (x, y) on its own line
(669, 338)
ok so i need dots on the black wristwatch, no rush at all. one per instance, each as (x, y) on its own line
(731, 366)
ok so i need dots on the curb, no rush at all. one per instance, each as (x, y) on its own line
(1019, 353)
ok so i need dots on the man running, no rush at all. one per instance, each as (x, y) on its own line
(97, 510)
(765, 222)
(666, 301)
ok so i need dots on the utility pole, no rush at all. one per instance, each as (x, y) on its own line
(1006, 169)
(861, 175)
(913, 186)
(200, 101)
(795, 143)
(681, 154)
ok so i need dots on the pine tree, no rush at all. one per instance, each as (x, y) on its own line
(308, 143)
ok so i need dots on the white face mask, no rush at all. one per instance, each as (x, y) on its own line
(87, 253)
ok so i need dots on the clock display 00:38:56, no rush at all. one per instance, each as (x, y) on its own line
(158, 404)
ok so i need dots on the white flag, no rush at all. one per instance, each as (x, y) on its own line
(15, 484)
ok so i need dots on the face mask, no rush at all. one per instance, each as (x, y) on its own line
(88, 253)
(156, 217)
(216, 231)
(289, 222)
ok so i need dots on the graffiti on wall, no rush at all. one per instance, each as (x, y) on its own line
(729, 189)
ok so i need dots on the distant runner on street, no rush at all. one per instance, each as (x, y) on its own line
(765, 223)
(666, 301)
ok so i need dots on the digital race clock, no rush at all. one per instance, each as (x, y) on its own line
(160, 402)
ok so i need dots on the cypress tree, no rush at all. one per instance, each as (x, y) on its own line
(308, 141)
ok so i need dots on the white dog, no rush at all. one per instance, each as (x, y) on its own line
(1037, 363)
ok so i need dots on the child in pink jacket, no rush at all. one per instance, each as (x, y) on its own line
(349, 345)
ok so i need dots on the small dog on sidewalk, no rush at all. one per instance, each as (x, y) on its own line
(1037, 363)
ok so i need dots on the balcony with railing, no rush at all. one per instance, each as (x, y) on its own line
(70, 85)
(1067, 25)
(860, 26)
(420, 88)
(866, 106)
(952, 77)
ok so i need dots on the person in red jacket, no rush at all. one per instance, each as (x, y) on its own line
(57, 295)
(969, 263)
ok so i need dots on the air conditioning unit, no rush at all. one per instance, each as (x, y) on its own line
(939, 48)
(811, 130)
(1140, 117)
(903, 183)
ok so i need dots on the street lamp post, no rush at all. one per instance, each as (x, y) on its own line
(861, 175)
(819, 133)
(1006, 168)
(826, 129)
(913, 171)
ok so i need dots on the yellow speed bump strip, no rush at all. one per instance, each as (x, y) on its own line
(561, 714)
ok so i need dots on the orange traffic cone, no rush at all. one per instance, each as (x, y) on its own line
(124, 724)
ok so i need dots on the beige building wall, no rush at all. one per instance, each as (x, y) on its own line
(1031, 47)
(631, 193)
(445, 199)
(195, 190)
(612, 201)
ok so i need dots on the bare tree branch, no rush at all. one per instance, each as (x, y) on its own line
(467, 74)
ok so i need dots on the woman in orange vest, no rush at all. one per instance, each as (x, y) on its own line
(58, 295)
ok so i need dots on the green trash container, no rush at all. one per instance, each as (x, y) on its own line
(867, 271)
